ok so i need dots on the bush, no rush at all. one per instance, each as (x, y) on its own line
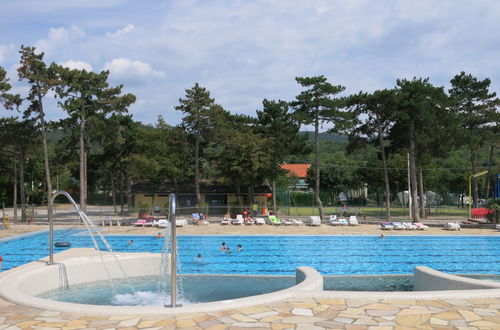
(494, 204)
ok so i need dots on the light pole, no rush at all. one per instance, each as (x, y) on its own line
(475, 175)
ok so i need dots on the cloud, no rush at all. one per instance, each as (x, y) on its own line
(58, 37)
(5, 50)
(125, 30)
(79, 65)
(125, 69)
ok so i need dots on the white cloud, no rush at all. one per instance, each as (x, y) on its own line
(130, 70)
(79, 65)
(125, 30)
(58, 37)
(5, 50)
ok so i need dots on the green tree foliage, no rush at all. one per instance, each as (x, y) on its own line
(476, 108)
(314, 106)
(200, 112)
(87, 97)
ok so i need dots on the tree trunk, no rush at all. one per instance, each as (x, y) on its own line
(317, 164)
(83, 192)
(113, 194)
(474, 180)
(413, 174)
(14, 199)
(238, 194)
(46, 160)
(488, 175)
(22, 190)
(421, 192)
(386, 177)
(129, 194)
(122, 201)
(197, 170)
(274, 196)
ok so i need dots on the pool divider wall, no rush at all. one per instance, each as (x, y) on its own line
(428, 279)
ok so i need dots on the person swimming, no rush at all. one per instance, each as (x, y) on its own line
(130, 242)
(223, 247)
(159, 235)
(239, 247)
(382, 235)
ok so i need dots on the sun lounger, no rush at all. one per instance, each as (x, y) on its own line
(260, 221)
(353, 221)
(149, 222)
(409, 226)
(386, 226)
(343, 222)
(239, 220)
(333, 221)
(297, 222)
(180, 222)
(287, 222)
(397, 226)
(163, 223)
(421, 226)
(314, 220)
(274, 220)
(140, 223)
(249, 221)
(452, 226)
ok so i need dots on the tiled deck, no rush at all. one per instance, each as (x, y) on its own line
(304, 313)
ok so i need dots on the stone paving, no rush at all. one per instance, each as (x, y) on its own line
(297, 313)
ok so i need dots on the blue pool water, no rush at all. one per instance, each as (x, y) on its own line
(281, 255)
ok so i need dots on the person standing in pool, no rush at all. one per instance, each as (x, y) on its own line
(239, 248)
(223, 247)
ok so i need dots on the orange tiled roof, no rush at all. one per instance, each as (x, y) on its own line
(299, 170)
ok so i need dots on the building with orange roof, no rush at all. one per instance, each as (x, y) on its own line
(299, 171)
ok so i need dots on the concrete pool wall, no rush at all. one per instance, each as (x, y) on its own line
(21, 285)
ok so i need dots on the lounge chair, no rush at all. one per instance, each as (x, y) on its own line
(333, 221)
(315, 220)
(452, 226)
(239, 220)
(343, 222)
(180, 222)
(163, 223)
(397, 226)
(386, 226)
(260, 221)
(353, 221)
(274, 220)
(287, 222)
(249, 221)
(409, 226)
(226, 220)
(140, 223)
(421, 226)
(149, 222)
(297, 222)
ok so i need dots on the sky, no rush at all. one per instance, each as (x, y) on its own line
(248, 50)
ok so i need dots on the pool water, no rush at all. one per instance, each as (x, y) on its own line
(191, 289)
(281, 255)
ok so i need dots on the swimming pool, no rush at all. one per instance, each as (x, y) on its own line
(281, 255)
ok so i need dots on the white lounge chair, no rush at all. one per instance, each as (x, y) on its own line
(409, 226)
(452, 226)
(421, 226)
(287, 222)
(333, 221)
(386, 226)
(353, 221)
(315, 221)
(343, 222)
(180, 222)
(297, 222)
(239, 220)
(398, 226)
(162, 223)
(260, 221)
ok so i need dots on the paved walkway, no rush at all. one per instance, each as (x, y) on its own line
(304, 313)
